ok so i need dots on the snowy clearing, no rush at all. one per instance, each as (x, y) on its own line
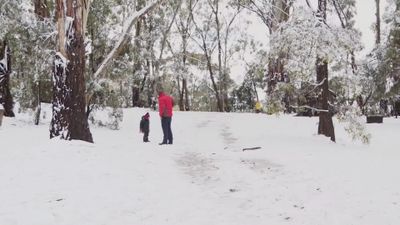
(297, 177)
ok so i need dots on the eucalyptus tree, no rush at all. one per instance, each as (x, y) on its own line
(272, 13)
(184, 26)
(381, 68)
(392, 55)
(9, 19)
(69, 116)
(213, 36)
(317, 51)
(325, 125)
(30, 33)
(6, 99)
(69, 100)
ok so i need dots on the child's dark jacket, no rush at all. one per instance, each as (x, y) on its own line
(144, 125)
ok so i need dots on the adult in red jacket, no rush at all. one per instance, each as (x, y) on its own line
(165, 104)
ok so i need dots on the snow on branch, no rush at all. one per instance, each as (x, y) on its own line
(317, 84)
(309, 107)
(124, 37)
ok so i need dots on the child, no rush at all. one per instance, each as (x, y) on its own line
(145, 127)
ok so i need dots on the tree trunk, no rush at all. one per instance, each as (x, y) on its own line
(325, 126)
(182, 90)
(378, 23)
(181, 94)
(276, 66)
(275, 73)
(37, 114)
(69, 120)
(210, 70)
(43, 12)
(208, 50)
(211, 73)
(395, 46)
(38, 108)
(6, 98)
(221, 74)
(41, 9)
(187, 105)
(183, 27)
(135, 96)
(157, 61)
(137, 65)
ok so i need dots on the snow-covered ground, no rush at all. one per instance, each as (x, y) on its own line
(297, 177)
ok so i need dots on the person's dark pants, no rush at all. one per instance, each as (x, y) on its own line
(166, 127)
(146, 136)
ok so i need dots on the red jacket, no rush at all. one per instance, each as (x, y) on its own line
(165, 104)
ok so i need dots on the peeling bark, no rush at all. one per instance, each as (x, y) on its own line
(69, 119)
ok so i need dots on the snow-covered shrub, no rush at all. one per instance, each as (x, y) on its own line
(351, 115)
(276, 100)
(274, 107)
(107, 117)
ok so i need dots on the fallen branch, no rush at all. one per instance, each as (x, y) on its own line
(253, 148)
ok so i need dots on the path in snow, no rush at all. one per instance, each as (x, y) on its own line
(296, 177)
